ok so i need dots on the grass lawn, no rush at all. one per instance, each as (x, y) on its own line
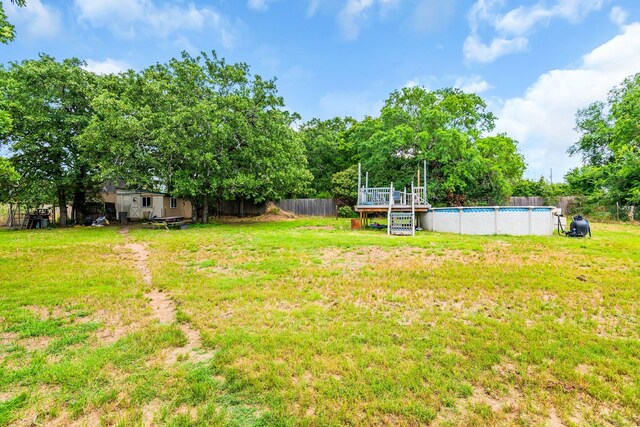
(306, 322)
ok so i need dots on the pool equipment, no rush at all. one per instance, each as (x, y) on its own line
(579, 227)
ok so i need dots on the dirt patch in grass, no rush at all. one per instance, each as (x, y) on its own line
(45, 313)
(8, 338)
(192, 352)
(91, 418)
(7, 395)
(164, 308)
(554, 420)
(139, 256)
(493, 253)
(35, 343)
(583, 369)
(111, 334)
(258, 218)
(149, 410)
(481, 397)
(164, 311)
(483, 408)
(393, 258)
(318, 227)
(224, 271)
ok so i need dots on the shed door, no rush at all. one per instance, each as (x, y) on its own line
(135, 209)
(158, 210)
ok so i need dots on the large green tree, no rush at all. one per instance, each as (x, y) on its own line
(199, 128)
(448, 129)
(7, 34)
(328, 151)
(610, 147)
(9, 179)
(7, 30)
(49, 102)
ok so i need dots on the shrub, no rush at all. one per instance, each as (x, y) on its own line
(347, 212)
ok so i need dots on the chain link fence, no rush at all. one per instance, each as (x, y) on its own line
(604, 212)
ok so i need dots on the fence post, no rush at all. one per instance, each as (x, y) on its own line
(389, 213)
(359, 181)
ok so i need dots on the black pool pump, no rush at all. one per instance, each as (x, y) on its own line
(579, 227)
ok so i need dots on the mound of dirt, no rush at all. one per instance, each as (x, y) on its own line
(272, 210)
(272, 213)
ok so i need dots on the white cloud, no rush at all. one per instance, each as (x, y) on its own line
(355, 14)
(432, 15)
(129, 17)
(476, 51)
(481, 11)
(423, 15)
(313, 7)
(543, 119)
(388, 5)
(522, 19)
(352, 16)
(426, 81)
(257, 4)
(618, 16)
(511, 28)
(412, 83)
(36, 19)
(108, 66)
(472, 84)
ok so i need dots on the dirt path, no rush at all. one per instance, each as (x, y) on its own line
(164, 310)
(164, 307)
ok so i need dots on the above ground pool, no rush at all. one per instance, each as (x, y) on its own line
(519, 221)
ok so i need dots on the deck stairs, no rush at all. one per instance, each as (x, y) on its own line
(400, 220)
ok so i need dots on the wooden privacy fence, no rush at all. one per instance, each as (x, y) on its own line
(564, 203)
(310, 207)
(238, 208)
(527, 201)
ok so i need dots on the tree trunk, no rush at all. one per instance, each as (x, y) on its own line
(632, 213)
(241, 208)
(79, 205)
(62, 202)
(10, 216)
(200, 213)
(205, 209)
(194, 210)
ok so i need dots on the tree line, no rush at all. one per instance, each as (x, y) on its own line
(201, 128)
(609, 147)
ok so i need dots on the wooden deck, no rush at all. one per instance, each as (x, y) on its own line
(400, 204)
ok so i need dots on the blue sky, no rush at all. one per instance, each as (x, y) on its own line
(535, 62)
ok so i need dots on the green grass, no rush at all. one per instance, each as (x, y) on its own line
(314, 325)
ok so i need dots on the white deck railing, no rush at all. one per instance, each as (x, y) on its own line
(379, 196)
(374, 196)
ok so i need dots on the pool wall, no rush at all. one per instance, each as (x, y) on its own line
(517, 221)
